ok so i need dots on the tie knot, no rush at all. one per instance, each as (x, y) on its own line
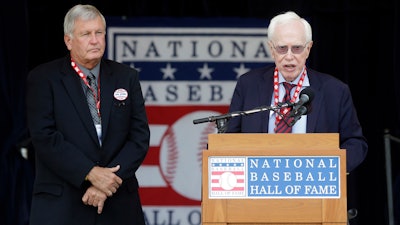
(91, 78)
(288, 86)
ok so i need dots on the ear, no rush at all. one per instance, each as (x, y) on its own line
(310, 45)
(271, 49)
(68, 41)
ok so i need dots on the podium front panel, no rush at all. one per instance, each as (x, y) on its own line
(277, 209)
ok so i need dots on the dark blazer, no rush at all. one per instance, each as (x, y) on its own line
(331, 111)
(67, 147)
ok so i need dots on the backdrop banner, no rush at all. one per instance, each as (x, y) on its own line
(188, 70)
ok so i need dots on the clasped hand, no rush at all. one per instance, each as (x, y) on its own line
(104, 184)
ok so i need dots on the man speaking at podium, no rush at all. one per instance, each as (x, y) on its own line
(304, 100)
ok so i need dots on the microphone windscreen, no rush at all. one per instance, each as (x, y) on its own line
(309, 92)
(303, 110)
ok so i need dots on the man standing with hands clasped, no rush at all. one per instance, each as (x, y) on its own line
(89, 129)
(331, 109)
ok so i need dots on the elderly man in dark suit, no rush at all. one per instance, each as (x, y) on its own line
(87, 119)
(331, 109)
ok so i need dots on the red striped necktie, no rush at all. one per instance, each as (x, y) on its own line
(282, 126)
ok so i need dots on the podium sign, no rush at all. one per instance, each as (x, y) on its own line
(274, 179)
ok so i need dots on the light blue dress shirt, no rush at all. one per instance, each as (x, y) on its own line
(301, 125)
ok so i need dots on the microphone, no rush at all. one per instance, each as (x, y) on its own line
(301, 107)
(297, 115)
(306, 96)
(230, 115)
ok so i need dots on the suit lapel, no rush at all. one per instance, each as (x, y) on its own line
(265, 88)
(107, 83)
(312, 116)
(73, 87)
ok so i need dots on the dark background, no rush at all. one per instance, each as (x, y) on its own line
(354, 40)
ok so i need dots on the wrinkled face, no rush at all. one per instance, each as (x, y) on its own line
(290, 49)
(88, 42)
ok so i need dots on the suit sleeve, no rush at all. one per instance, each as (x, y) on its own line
(56, 156)
(135, 148)
(351, 135)
(234, 124)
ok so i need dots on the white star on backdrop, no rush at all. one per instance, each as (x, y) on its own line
(240, 70)
(205, 72)
(168, 72)
(136, 68)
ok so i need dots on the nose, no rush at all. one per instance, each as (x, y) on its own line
(93, 37)
(289, 53)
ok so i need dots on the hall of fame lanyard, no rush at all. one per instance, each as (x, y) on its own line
(84, 78)
(295, 95)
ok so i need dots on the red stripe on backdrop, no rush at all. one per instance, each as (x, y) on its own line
(171, 117)
(169, 114)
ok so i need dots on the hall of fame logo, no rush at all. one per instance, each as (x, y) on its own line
(186, 73)
(227, 177)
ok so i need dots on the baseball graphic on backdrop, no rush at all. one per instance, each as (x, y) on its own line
(181, 153)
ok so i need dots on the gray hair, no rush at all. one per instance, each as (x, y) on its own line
(285, 18)
(84, 12)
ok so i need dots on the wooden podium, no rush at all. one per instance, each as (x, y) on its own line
(273, 211)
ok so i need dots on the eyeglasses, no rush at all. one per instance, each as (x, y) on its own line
(295, 49)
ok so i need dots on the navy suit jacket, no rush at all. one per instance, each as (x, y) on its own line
(332, 110)
(67, 147)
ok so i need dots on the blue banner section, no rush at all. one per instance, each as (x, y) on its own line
(191, 71)
(303, 176)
